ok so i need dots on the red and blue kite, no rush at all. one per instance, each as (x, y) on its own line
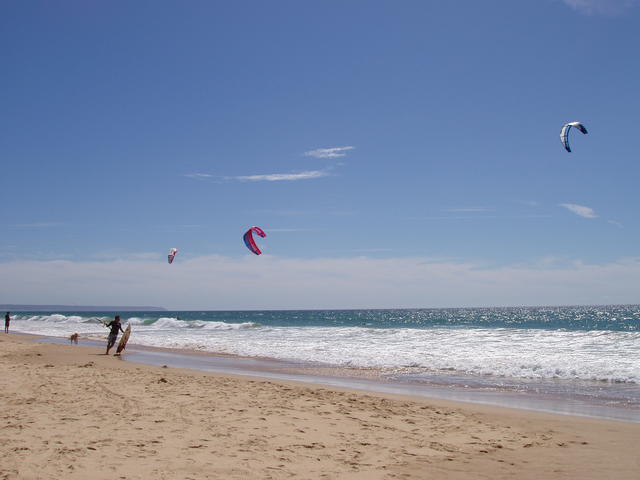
(250, 242)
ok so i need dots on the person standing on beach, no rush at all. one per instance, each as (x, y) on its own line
(7, 319)
(113, 334)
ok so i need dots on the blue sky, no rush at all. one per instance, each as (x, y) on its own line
(399, 146)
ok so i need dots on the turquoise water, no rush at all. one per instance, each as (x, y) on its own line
(605, 318)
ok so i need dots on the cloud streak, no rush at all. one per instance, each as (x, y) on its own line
(333, 152)
(617, 224)
(267, 177)
(601, 7)
(580, 210)
(37, 225)
(199, 176)
(470, 209)
(281, 177)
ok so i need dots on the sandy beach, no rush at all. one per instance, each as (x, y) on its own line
(71, 412)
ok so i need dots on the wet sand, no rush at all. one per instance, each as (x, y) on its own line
(71, 412)
(374, 380)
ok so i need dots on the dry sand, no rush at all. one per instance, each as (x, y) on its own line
(69, 412)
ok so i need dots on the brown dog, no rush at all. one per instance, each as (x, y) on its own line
(74, 338)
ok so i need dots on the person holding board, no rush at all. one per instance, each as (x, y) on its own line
(113, 334)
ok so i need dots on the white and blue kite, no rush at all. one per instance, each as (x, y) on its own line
(564, 133)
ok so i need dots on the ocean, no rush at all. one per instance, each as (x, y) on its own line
(591, 353)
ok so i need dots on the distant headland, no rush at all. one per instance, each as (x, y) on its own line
(76, 308)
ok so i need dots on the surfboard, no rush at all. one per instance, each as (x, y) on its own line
(123, 340)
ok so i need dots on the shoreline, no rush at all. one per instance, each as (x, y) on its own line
(72, 412)
(366, 380)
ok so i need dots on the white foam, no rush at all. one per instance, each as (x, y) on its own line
(520, 353)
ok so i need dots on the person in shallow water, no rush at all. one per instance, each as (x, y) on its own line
(7, 319)
(113, 334)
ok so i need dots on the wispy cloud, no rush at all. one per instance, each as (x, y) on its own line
(200, 176)
(267, 177)
(617, 224)
(580, 210)
(126, 256)
(322, 212)
(333, 152)
(35, 256)
(601, 7)
(289, 230)
(477, 217)
(470, 209)
(372, 250)
(280, 177)
(37, 225)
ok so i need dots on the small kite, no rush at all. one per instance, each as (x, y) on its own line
(250, 242)
(172, 254)
(564, 133)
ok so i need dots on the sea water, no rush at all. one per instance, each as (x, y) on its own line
(590, 352)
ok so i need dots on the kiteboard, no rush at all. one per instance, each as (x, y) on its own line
(123, 340)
